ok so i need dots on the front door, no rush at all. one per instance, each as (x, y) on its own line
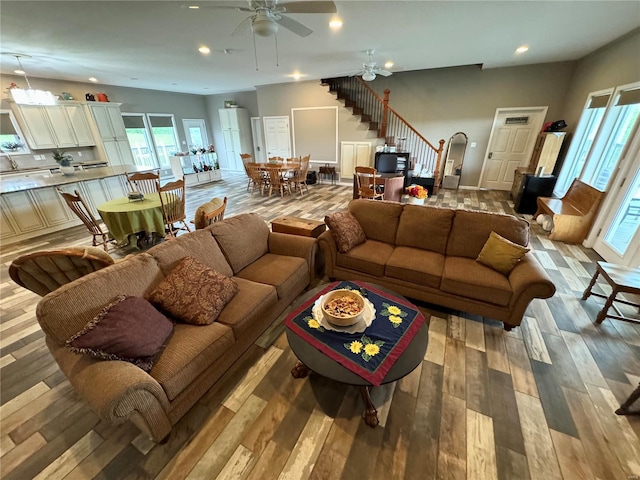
(510, 145)
(277, 137)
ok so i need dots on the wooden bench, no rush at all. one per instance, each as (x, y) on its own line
(572, 214)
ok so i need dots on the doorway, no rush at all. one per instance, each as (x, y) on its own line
(511, 144)
(258, 140)
(195, 132)
(277, 137)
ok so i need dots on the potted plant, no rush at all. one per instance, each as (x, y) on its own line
(417, 194)
(64, 160)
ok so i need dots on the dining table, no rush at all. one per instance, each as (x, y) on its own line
(125, 217)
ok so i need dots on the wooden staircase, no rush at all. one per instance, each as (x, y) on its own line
(383, 119)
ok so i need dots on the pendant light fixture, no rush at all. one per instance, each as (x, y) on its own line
(29, 95)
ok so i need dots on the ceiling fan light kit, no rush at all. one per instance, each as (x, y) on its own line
(368, 76)
(369, 70)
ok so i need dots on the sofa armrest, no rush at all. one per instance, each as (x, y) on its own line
(116, 390)
(295, 246)
(327, 243)
(528, 280)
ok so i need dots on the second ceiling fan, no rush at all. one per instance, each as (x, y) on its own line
(370, 70)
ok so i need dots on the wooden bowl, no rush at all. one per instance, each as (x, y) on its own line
(335, 299)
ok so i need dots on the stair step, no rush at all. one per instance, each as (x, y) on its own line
(357, 111)
(365, 118)
(373, 125)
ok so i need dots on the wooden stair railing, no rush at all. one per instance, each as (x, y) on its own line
(388, 123)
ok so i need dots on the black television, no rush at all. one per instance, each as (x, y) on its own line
(386, 163)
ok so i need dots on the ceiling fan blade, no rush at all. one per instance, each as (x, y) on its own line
(228, 7)
(293, 25)
(309, 7)
(384, 73)
(243, 27)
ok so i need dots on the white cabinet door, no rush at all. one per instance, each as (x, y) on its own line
(80, 124)
(126, 157)
(94, 193)
(6, 226)
(117, 123)
(24, 211)
(36, 126)
(114, 186)
(103, 123)
(53, 207)
(112, 151)
(61, 126)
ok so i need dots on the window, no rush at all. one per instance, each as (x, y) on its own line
(11, 140)
(165, 137)
(139, 139)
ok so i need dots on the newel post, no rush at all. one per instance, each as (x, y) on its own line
(385, 110)
(436, 174)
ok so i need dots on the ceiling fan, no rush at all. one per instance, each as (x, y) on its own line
(370, 70)
(269, 15)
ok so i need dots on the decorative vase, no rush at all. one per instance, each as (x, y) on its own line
(415, 201)
(68, 170)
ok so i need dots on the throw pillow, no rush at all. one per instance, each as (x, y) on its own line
(346, 230)
(501, 254)
(193, 292)
(129, 329)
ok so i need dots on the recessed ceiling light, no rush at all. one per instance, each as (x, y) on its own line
(19, 72)
(388, 65)
(93, 79)
(335, 23)
(204, 50)
(296, 75)
(522, 49)
(194, 7)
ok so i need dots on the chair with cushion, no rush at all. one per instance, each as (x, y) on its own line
(44, 271)
(77, 206)
(172, 200)
(144, 182)
(366, 180)
(210, 212)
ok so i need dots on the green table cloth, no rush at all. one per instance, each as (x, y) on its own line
(124, 217)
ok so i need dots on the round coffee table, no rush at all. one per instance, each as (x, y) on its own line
(311, 359)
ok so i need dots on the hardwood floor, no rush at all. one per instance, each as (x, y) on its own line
(534, 403)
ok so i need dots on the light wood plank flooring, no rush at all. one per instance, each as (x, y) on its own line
(534, 403)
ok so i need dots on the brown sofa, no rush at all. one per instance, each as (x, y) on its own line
(270, 269)
(429, 254)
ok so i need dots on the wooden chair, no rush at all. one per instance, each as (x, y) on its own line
(258, 177)
(172, 200)
(210, 212)
(277, 179)
(366, 181)
(44, 271)
(246, 159)
(300, 178)
(143, 182)
(77, 206)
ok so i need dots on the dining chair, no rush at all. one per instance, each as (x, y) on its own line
(44, 271)
(300, 178)
(77, 206)
(246, 159)
(277, 179)
(210, 212)
(259, 178)
(276, 159)
(143, 182)
(366, 181)
(172, 200)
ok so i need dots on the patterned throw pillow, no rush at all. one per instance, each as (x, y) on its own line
(129, 329)
(193, 292)
(501, 254)
(346, 230)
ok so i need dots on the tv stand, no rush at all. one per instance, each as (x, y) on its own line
(402, 167)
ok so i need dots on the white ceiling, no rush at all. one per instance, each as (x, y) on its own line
(153, 45)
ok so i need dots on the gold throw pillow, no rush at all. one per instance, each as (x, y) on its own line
(501, 254)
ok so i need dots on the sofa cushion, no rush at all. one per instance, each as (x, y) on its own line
(288, 274)
(426, 228)
(246, 311)
(194, 293)
(422, 267)
(471, 230)
(379, 219)
(243, 239)
(370, 257)
(199, 244)
(501, 254)
(346, 230)
(467, 278)
(129, 329)
(189, 352)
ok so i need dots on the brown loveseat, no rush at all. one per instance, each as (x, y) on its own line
(270, 269)
(429, 254)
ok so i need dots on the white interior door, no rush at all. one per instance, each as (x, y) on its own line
(195, 132)
(510, 145)
(277, 137)
(258, 140)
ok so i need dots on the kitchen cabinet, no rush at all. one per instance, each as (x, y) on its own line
(191, 167)
(235, 126)
(54, 126)
(23, 212)
(113, 145)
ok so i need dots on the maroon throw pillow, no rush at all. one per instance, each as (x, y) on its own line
(129, 329)
(193, 292)
(346, 230)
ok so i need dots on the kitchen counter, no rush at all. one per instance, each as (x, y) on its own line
(16, 182)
